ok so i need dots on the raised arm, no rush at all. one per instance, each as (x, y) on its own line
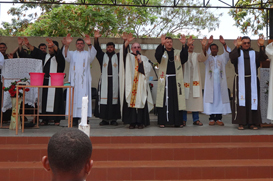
(66, 43)
(100, 53)
(91, 50)
(203, 56)
(235, 53)
(160, 49)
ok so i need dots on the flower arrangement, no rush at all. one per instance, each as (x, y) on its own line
(12, 88)
(151, 86)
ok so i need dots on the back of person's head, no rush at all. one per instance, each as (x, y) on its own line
(69, 154)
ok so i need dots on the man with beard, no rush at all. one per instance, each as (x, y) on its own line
(246, 103)
(53, 62)
(107, 103)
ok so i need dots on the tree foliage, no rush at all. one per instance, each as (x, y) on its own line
(59, 20)
(250, 20)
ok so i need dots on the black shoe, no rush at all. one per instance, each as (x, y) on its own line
(141, 126)
(132, 126)
(114, 123)
(103, 122)
(75, 122)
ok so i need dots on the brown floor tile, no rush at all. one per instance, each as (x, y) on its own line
(166, 173)
(201, 139)
(140, 154)
(181, 139)
(240, 138)
(119, 154)
(183, 154)
(100, 139)
(17, 140)
(248, 153)
(4, 174)
(38, 140)
(220, 139)
(162, 154)
(259, 172)
(119, 174)
(161, 139)
(21, 174)
(97, 174)
(236, 172)
(143, 173)
(3, 140)
(141, 139)
(8, 156)
(100, 154)
(29, 155)
(123, 139)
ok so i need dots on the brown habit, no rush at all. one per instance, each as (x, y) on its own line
(244, 114)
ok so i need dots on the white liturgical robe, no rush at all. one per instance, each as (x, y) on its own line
(216, 99)
(80, 78)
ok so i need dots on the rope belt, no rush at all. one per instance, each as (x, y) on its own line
(167, 94)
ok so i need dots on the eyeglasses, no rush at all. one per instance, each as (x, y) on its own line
(135, 47)
(246, 43)
(80, 43)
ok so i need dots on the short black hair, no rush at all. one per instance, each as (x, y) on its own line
(42, 44)
(68, 151)
(110, 44)
(80, 39)
(3, 44)
(168, 37)
(246, 37)
(56, 43)
(213, 45)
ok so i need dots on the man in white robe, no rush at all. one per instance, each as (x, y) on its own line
(192, 83)
(269, 53)
(216, 99)
(137, 94)
(79, 74)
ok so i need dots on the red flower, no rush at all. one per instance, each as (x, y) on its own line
(27, 89)
(4, 88)
(12, 94)
(12, 87)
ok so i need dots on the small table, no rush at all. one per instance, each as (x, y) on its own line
(70, 104)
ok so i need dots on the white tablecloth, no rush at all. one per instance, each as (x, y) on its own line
(16, 69)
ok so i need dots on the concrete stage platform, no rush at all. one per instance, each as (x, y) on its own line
(152, 130)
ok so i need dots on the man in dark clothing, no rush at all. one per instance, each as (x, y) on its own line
(246, 103)
(107, 103)
(170, 84)
(53, 62)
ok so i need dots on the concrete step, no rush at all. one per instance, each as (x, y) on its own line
(152, 170)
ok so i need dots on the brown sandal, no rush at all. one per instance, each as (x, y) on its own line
(241, 127)
(184, 123)
(253, 127)
(198, 123)
(162, 126)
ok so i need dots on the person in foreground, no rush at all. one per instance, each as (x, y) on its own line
(68, 155)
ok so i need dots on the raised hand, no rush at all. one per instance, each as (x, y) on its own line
(97, 34)
(239, 42)
(130, 37)
(182, 39)
(210, 39)
(221, 39)
(68, 39)
(235, 42)
(20, 41)
(261, 40)
(26, 42)
(10, 56)
(163, 39)
(50, 42)
(190, 41)
(204, 41)
(87, 39)
(64, 41)
(124, 36)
